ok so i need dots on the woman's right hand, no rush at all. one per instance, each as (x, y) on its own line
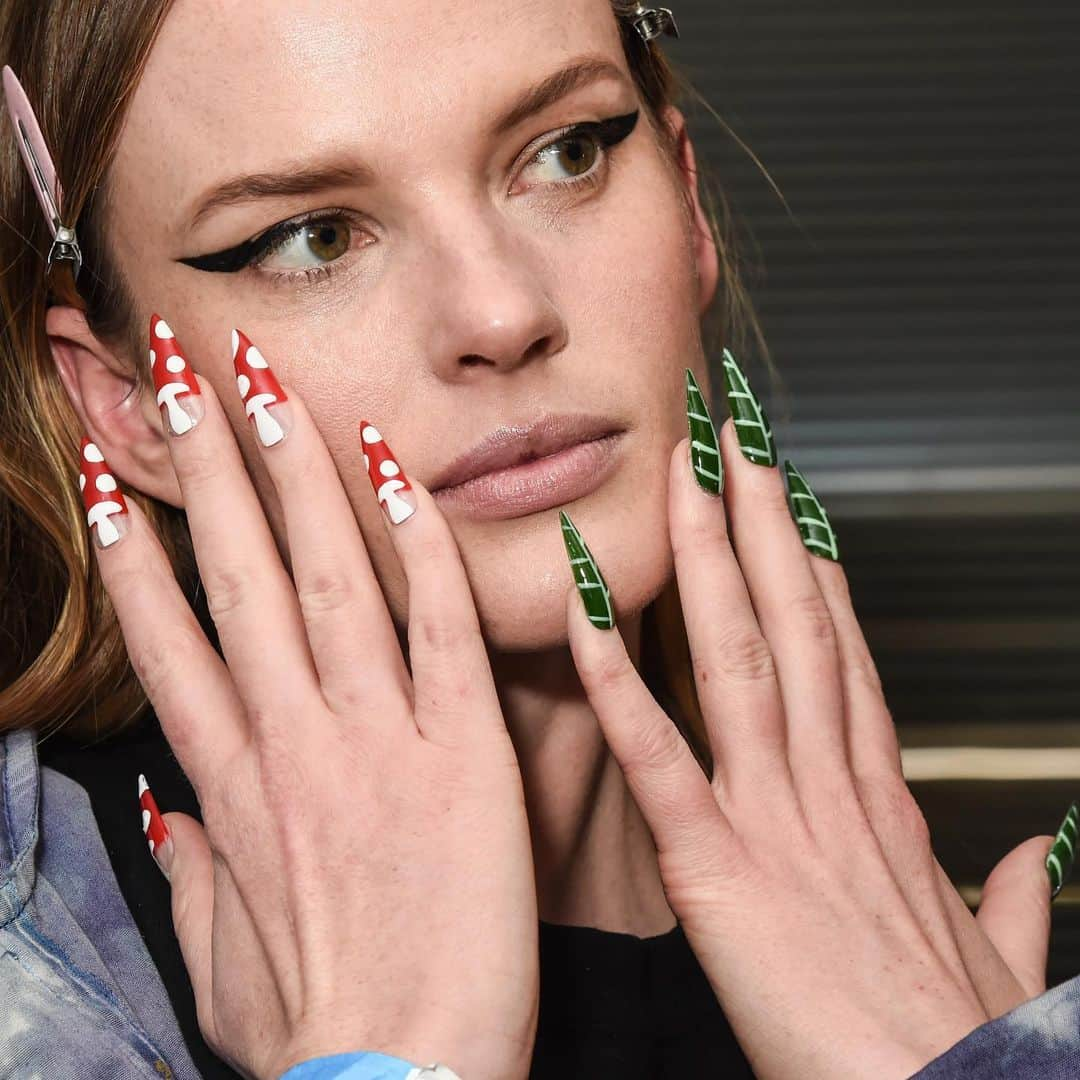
(363, 878)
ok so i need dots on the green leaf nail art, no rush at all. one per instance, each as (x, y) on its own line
(1059, 862)
(590, 582)
(751, 423)
(704, 445)
(818, 535)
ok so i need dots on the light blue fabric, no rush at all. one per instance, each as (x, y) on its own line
(358, 1066)
(80, 998)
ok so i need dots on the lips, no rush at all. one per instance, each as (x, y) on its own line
(512, 446)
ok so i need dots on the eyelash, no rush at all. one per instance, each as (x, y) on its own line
(606, 134)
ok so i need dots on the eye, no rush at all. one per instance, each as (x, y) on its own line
(580, 153)
(309, 245)
(574, 156)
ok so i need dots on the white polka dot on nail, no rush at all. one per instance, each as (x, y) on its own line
(153, 358)
(105, 482)
(255, 358)
(235, 343)
(82, 481)
(92, 453)
(389, 468)
(175, 364)
(162, 330)
(371, 435)
(243, 384)
(367, 462)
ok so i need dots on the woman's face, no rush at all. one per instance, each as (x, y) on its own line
(460, 288)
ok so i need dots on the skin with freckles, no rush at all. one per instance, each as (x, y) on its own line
(457, 282)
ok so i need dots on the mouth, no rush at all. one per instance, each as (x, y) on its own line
(516, 471)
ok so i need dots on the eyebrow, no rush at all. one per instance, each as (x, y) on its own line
(303, 179)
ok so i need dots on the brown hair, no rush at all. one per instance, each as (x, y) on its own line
(62, 656)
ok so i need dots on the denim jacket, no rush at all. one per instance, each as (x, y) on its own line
(79, 995)
(80, 998)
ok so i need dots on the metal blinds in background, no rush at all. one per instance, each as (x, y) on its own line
(922, 303)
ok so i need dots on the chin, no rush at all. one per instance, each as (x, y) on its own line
(521, 589)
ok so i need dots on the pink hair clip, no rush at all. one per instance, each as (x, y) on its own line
(39, 164)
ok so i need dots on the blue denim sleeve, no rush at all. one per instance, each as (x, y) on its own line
(358, 1066)
(1039, 1040)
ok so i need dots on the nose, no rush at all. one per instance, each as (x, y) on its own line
(485, 299)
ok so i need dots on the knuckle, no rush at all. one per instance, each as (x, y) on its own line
(228, 589)
(864, 673)
(892, 808)
(743, 655)
(812, 613)
(702, 541)
(324, 592)
(434, 632)
(657, 747)
(158, 659)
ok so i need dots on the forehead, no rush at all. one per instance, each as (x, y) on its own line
(223, 87)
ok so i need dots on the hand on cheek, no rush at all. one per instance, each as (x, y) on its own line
(801, 870)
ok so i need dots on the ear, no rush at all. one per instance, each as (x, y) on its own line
(704, 244)
(115, 414)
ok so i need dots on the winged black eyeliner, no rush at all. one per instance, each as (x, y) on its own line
(231, 260)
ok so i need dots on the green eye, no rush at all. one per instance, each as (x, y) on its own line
(575, 156)
(315, 244)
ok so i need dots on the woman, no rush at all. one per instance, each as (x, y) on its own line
(476, 232)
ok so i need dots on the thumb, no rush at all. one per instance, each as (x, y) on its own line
(1015, 912)
(192, 877)
(178, 844)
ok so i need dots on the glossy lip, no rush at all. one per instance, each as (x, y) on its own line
(522, 470)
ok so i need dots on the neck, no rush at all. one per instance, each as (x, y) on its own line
(594, 855)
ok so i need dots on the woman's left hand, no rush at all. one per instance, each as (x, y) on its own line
(802, 874)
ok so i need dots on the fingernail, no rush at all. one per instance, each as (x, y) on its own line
(392, 487)
(106, 510)
(154, 828)
(818, 535)
(261, 391)
(587, 577)
(1059, 862)
(177, 391)
(751, 424)
(704, 445)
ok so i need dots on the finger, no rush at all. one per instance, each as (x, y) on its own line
(663, 775)
(870, 734)
(179, 670)
(1015, 912)
(792, 614)
(733, 665)
(192, 881)
(342, 605)
(249, 594)
(454, 693)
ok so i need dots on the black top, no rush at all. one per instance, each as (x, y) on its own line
(611, 1005)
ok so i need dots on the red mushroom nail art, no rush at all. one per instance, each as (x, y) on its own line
(154, 828)
(174, 382)
(106, 509)
(259, 388)
(391, 486)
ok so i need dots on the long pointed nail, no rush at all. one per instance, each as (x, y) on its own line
(818, 535)
(261, 391)
(177, 391)
(106, 509)
(591, 585)
(1059, 862)
(392, 487)
(704, 445)
(751, 424)
(154, 828)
